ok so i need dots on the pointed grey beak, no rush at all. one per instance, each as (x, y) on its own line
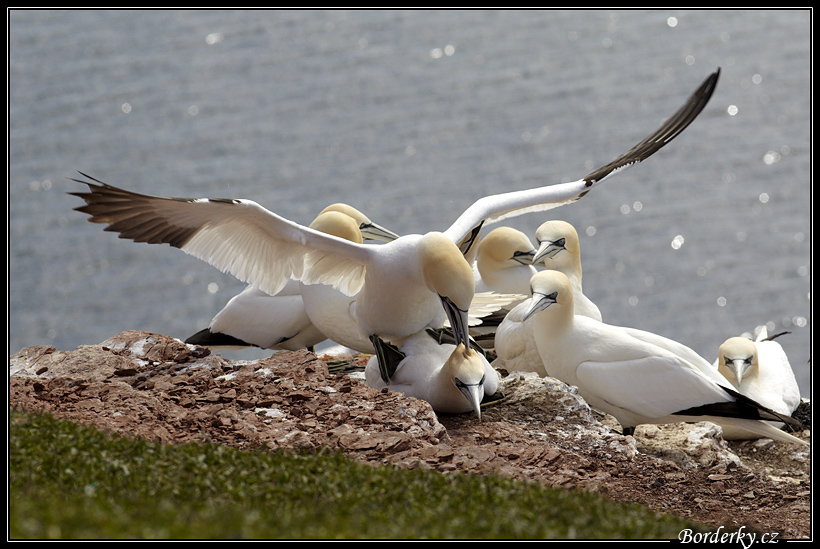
(541, 302)
(548, 249)
(739, 366)
(525, 258)
(372, 231)
(473, 393)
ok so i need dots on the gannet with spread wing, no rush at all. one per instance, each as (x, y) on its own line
(404, 286)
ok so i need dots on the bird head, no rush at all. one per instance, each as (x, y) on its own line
(466, 370)
(369, 230)
(558, 246)
(737, 358)
(550, 289)
(337, 224)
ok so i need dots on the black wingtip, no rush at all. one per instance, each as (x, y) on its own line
(742, 407)
(207, 338)
(670, 129)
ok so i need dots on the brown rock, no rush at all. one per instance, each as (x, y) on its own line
(155, 387)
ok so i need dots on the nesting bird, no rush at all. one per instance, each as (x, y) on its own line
(403, 286)
(760, 370)
(633, 375)
(453, 379)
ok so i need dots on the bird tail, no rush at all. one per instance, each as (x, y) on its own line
(764, 429)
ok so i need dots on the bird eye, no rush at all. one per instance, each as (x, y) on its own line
(561, 242)
(553, 296)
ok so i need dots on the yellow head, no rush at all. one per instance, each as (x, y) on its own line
(558, 247)
(367, 227)
(338, 224)
(504, 248)
(737, 358)
(466, 370)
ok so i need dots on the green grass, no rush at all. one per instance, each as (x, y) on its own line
(73, 482)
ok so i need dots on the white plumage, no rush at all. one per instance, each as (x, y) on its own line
(760, 370)
(404, 286)
(629, 377)
(452, 379)
(281, 321)
(559, 249)
(258, 319)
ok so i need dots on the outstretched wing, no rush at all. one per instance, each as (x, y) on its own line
(236, 236)
(493, 208)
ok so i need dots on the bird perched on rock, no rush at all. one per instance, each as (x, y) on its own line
(559, 249)
(453, 379)
(760, 370)
(621, 372)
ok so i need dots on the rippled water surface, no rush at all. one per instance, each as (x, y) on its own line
(411, 116)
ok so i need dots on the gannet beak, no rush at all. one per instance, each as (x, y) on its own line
(473, 393)
(372, 231)
(548, 249)
(525, 258)
(540, 302)
(458, 321)
(739, 367)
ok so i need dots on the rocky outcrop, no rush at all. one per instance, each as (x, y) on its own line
(156, 387)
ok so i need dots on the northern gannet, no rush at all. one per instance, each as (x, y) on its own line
(453, 379)
(559, 249)
(404, 286)
(504, 262)
(254, 318)
(281, 321)
(760, 370)
(633, 380)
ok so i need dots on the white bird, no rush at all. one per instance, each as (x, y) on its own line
(330, 310)
(559, 249)
(631, 379)
(760, 370)
(254, 318)
(404, 286)
(281, 321)
(453, 379)
(504, 262)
